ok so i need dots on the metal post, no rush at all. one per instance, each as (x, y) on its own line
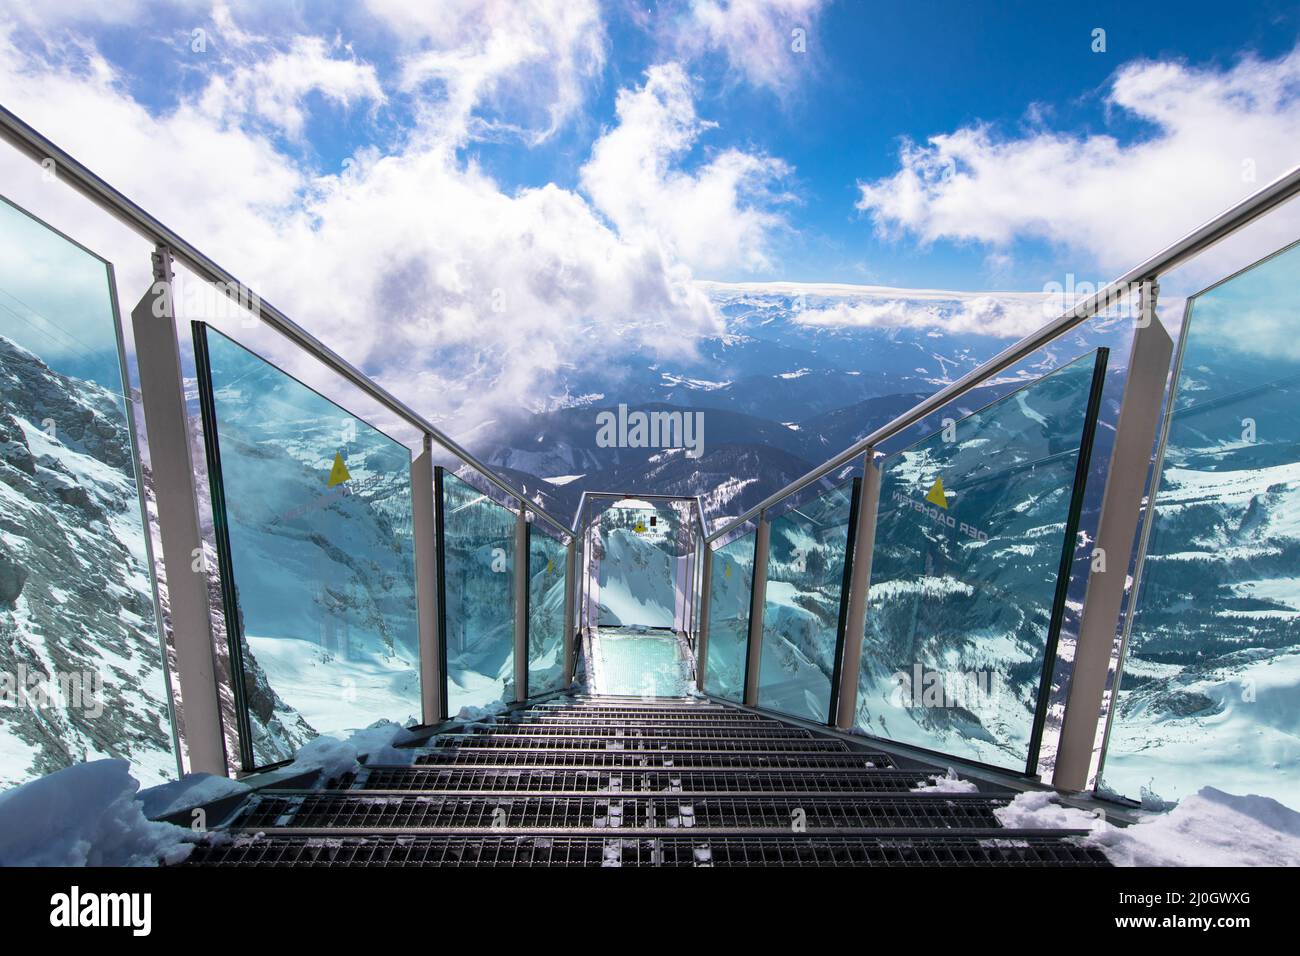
(757, 597)
(521, 569)
(570, 605)
(1135, 435)
(702, 633)
(162, 396)
(426, 582)
(859, 584)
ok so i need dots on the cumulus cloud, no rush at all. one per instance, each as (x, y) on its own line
(454, 293)
(1214, 137)
(717, 217)
(535, 57)
(758, 38)
(273, 89)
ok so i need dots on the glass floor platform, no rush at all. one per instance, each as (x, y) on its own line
(638, 662)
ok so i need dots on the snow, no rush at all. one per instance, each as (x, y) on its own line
(946, 783)
(192, 790)
(1208, 828)
(337, 755)
(85, 815)
(333, 690)
(1249, 737)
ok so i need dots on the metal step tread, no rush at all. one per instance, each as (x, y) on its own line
(562, 742)
(507, 758)
(730, 781)
(637, 731)
(364, 813)
(1041, 849)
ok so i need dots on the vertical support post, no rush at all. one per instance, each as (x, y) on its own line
(570, 605)
(580, 582)
(522, 529)
(702, 632)
(1121, 507)
(440, 559)
(757, 598)
(162, 395)
(427, 571)
(855, 620)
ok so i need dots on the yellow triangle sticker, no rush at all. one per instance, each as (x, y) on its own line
(936, 495)
(726, 573)
(339, 471)
(550, 567)
(640, 527)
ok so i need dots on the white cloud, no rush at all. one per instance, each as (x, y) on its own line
(999, 314)
(979, 314)
(454, 294)
(757, 37)
(528, 57)
(1210, 131)
(273, 88)
(718, 217)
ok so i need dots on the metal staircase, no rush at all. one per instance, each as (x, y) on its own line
(612, 781)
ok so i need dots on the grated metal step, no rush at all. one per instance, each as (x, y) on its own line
(530, 781)
(649, 759)
(622, 781)
(635, 712)
(642, 731)
(719, 741)
(779, 814)
(1044, 849)
(720, 719)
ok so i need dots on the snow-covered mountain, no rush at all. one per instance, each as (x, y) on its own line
(781, 389)
(76, 604)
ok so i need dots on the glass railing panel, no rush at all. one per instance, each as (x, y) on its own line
(547, 563)
(975, 534)
(802, 606)
(478, 561)
(730, 590)
(1208, 693)
(637, 553)
(312, 517)
(82, 672)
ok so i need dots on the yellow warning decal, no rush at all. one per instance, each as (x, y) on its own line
(726, 573)
(550, 567)
(936, 495)
(339, 471)
(640, 527)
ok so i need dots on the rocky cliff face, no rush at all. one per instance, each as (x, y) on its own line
(76, 606)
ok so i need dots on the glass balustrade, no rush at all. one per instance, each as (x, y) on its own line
(730, 589)
(974, 538)
(546, 591)
(312, 515)
(82, 667)
(803, 604)
(637, 551)
(1209, 690)
(478, 562)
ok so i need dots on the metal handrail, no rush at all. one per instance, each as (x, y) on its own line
(1195, 242)
(78, 176)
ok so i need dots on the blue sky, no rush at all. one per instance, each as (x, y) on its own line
(873, 75)
(486, 170)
